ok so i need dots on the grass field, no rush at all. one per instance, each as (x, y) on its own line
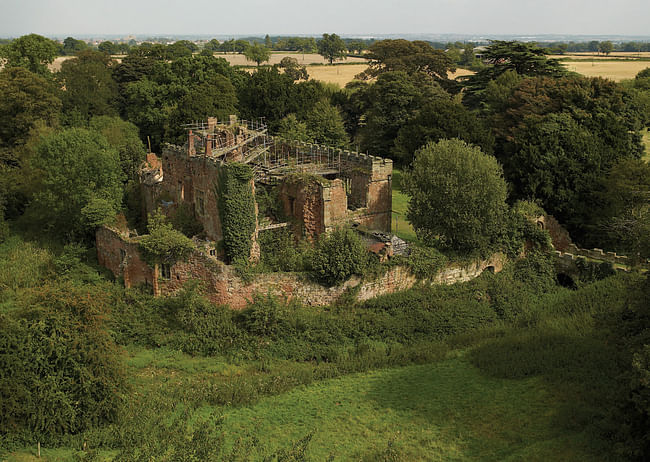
(447, 411)
(400, 225)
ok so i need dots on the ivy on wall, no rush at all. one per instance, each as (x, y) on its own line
(237, 209)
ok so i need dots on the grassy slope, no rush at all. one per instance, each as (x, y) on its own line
(445, 411)
(400, 225)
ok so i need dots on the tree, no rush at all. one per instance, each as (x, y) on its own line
(60, 370)
(390, 102)
(267, 42)
(556, 137)
(77, 168)
(290, 128)
(293, 69)
(124, 137)
(108, 47)
(331, 47)
(215, 97)
(268, 94)
(164, 244)
(90, 89)
(410, 57)
(625, 197)
(257, 53)
(213, 45)
(605, 47)
(33, 52)
(72, 46)
(25, 99)
(339, 255)
(438, 119)
(325, 125)
(525, 59)
(456, 196)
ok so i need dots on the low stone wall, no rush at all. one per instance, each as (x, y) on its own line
(223, 286)
(573, 252)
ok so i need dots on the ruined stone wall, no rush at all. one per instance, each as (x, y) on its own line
(193, 179)
(223, 286)
(335, 204)
(121, 255)
(370, 189)
(559, 236)
(303, 201)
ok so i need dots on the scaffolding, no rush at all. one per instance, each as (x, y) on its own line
(270, 157)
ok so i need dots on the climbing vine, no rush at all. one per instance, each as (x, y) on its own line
(237, 209)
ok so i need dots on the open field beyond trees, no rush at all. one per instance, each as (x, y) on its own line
(615, 70)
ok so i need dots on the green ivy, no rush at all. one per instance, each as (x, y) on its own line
(237, 209)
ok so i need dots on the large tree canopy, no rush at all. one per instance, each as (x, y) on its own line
(90, 89)
(25, 99)
(525, 59)
(390, 103)
(331, 47)
(409, 57)
(457, 196)
(79, 178)
(557, 136)
(33, 52)
(438, 119)
(124, 137)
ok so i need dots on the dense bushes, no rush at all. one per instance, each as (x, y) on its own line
(339, 255)
(60, 371)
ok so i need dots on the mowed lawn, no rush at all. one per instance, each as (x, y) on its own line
(447, 411)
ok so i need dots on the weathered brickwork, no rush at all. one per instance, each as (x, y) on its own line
(319, 187)
(223, 286)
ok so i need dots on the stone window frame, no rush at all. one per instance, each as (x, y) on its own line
(165, 271)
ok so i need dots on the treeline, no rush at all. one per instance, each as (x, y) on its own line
(572, 144)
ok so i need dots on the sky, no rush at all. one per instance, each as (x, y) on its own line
(61, 18)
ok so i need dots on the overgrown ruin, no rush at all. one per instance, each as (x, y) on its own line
(317, 188)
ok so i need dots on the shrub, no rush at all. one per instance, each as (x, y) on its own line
(426, 262)
(60, 371)
(266, 316)
(339, 255)
(280, 252)
(164, 244)
(210, 328)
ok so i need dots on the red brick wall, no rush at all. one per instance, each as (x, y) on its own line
(132, 267)
(303, 202)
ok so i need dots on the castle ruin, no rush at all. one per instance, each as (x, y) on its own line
(318, 188)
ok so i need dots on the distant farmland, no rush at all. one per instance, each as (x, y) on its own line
(615, 70)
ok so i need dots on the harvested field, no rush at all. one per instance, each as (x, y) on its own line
(615, 70)
(614, 55)
(342, 74)
(236, 59)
